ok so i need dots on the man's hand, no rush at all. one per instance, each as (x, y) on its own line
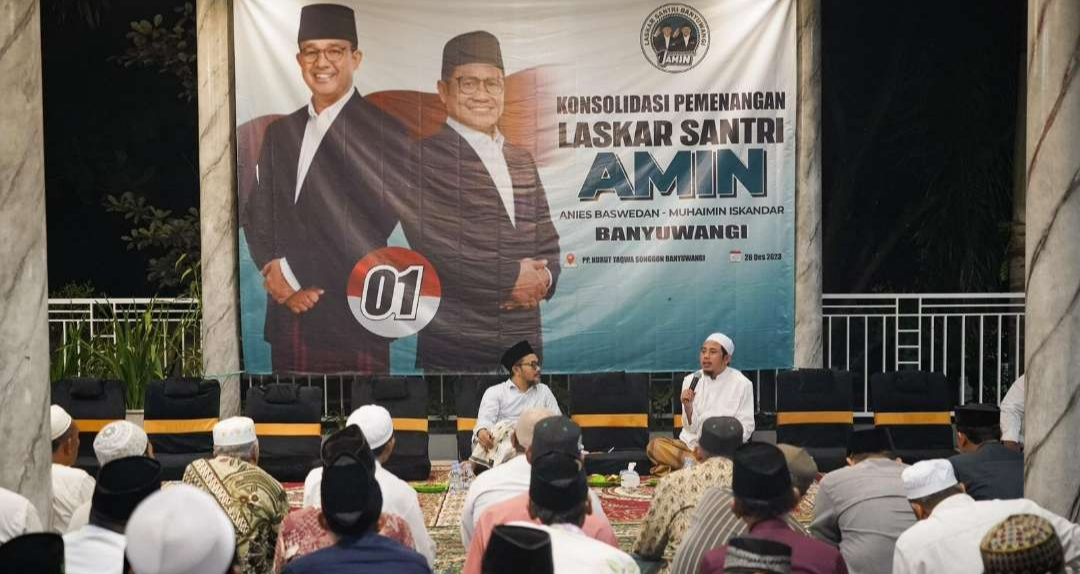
(687, 399)
(274, 282)
(303, 300)
(484, 438)
(687, 396)
(532, 285)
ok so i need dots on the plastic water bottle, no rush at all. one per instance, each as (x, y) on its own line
(687, 462)
(629, 478)
(455, 477)
(467, 479)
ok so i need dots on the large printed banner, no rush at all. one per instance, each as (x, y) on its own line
(424, 183)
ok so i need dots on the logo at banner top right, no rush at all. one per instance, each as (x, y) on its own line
(675, 38)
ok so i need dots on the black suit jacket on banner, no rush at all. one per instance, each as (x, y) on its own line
(345, 211)
(459, 223)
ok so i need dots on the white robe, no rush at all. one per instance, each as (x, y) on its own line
(948, 541)
(729, 394)
(94, 550)
(17, 516)
(71, 489)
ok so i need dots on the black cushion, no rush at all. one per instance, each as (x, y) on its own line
(182, 399)
(914, 392)
(816, 390)
(286, 458)
(405, 398)
(611, 448)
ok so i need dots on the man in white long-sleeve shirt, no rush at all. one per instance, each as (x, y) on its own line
(717, 390)
(505, 402)
(1012, 416)
(952, 524)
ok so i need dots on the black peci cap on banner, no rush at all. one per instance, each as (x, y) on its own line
(327, 22)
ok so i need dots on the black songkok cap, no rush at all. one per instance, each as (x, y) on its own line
(516, 353)
(557, 481)
(351, 498)
(760, 472)
(869, 440)
(556, 434)
(327, 22)
(37, 553)
(721, 435)
(471, 48)
(349, 440)
(745, 554)
(978, 415)
(122, 484)
(518, 549)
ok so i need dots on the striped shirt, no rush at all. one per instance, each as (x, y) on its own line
(711, 526)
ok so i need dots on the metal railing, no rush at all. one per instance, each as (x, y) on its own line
(974, 340)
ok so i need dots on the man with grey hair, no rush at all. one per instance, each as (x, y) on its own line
(255, 502)
(506, 480)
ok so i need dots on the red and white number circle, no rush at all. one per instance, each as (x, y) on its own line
(394, 292)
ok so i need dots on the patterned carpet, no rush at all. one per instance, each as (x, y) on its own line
(625, 509)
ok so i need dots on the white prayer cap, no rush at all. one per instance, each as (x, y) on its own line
(722, 340)
(233, 431)
(59, 422)
(119, 439)
(375, 422)
(180, 530)
(927, 477)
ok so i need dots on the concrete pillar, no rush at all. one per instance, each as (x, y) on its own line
(1052, 337)
(808, 323)
(217, 201)
(24, 314)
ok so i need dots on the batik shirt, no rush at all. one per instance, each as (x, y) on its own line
(301, 534)
(673, 504)
(254, 502)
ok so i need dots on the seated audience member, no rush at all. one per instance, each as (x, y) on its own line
(505, 481)
(72, 487)
(757, 556)
(512, 479)
(863, 507)
(399, 499)
(98, 547)
(180, 530)
(351, 505)
(503, 403)
(804, 473)
(679, 493)
(304, 531)
(34, 553)
(952, 524)
(987, 468)
(17, 516)
(1022, 543)
(559, 500)
(255, 502)
(1012, 416)
(117, 439)
(714, 522)
(518, 549)
(717, 390)
(552, 434)
(763, 494)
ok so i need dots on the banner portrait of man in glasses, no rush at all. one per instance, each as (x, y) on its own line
(482, 219)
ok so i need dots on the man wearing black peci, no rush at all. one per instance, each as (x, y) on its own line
(326, 182)
(482, 220)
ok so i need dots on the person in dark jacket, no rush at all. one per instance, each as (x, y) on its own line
(989, 469)
(328, 176)
(482, 219)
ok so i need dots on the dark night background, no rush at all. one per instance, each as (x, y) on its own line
(919, 123)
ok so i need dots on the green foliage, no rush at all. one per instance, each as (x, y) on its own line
(171, 49)
(88, 11)
(75, 290)
(156, 229)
